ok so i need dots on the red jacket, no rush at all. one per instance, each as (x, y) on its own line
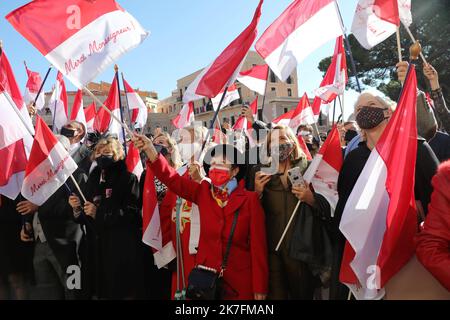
(433, 242)
(247, 271)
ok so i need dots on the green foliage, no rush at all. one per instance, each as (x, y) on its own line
(376, 67)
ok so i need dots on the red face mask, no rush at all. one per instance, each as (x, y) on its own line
(219, 176)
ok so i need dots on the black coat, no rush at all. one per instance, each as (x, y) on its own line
(426, 166)
(15, 255)
(56, 217)
(113, 238)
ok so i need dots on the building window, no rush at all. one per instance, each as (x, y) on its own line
(170, 108)
(289, 93)
(232, 120)
(204, 101)
(165, 129)
(285, 110)
(289, 80)
(272, 89)
(273, 79)
(204, 123)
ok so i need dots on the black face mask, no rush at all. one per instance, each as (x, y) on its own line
(161, 149)
(69, 133)
(370, 117)
(349, 135)
(105, 161)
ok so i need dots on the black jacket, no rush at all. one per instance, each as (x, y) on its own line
(56, 218)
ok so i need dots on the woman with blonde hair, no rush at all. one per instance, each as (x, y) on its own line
(288, 278)
(113, 262)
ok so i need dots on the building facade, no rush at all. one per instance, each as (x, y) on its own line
(280, 98)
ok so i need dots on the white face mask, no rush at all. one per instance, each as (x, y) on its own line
(189, 150)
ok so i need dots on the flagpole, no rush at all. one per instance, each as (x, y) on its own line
(399, 45)
(54, 109)
(334, 111)
(414, 40)
(264, 97)
(211, 126)
(116, 69)
(126, 99)
(348, 48)
(288, 225)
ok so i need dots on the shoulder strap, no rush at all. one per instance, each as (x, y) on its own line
(230, 239)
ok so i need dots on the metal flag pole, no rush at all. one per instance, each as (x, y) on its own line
(126, 100)
(116, 69)
(264, 97)
(348, 49)
(213, 121)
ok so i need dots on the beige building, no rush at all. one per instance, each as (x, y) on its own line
(280, 98)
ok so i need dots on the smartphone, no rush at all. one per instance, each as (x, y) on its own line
(296, 177)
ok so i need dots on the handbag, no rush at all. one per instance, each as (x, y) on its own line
(206, 283)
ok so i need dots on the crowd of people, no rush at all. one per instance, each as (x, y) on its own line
(224, 202)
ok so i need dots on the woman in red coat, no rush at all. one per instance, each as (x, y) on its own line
(246, 276)
(433, 242)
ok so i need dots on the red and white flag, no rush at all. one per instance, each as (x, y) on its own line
(185, 117)
(255, 79)
(335, 80)
(302, 28)
(323, 172)
(231, 95)
(377, 20)
(137, 107)
(225, 68)
(379, 219)
(133, 161)
(90, 113)
(58, 104)
(303, 114)
(284, 119)
(15, 139)
(77, 112)
(32, 87)
(151, 224)
(49, 166)
(104, 122)
(80, 38)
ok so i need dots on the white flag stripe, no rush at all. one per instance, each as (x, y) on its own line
(128, 34)
(365, 229)
(38, 186)
(254, 84)
(304, 40)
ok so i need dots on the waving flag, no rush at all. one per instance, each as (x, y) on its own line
(323, 172)
(231, 95)
(185, 117)
(151, 224)
(137, 107)
(133, 161)
(90, 113)
(80, 38)
(379, 219)
(15, 140)
(333, 84)
(225, 68)
(32, 87)
(303, 114)
(377, 20)
(49, 166)
(284, 119)
(302, 28)
(104, 122)
(77, 113)
(255, 79)
(58, 104)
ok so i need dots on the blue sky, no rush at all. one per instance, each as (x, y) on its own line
(185, 36)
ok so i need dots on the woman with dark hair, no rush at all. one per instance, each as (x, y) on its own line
(224, 206)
